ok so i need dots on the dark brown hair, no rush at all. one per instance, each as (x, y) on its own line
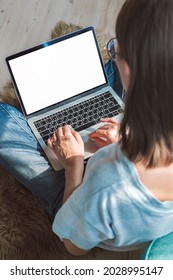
(144, 31)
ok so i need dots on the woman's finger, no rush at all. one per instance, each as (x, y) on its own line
(110, 120)
(98, 133)
(50, 143)
(66, 129)
(76, 136)
(59, 132)
(100, 141)
(54, 137)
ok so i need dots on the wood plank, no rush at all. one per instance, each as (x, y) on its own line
(25, 23)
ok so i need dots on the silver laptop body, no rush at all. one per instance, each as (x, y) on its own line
(59, 77)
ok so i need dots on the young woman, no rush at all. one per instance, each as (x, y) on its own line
(124, 197)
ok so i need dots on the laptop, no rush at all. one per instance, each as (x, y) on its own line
(63, 81)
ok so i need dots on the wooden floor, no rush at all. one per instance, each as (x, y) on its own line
(25, 23)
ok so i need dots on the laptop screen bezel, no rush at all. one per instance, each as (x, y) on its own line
(45, 45)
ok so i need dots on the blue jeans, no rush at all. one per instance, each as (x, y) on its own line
(22, 156)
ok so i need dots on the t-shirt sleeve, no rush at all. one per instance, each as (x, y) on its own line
(84, 218)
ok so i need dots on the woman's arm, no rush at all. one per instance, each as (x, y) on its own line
(67, 144)
(73, 177)
(69, 148)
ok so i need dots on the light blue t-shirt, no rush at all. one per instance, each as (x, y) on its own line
(112, 209)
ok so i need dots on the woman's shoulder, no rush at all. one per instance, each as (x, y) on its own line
(110, 157)
(110, 153)
(108, 166)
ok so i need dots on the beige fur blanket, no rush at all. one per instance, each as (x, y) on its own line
(25, 229)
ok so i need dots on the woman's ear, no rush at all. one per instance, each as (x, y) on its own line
(126, 71)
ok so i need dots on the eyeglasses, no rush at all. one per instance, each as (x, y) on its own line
(111, 48)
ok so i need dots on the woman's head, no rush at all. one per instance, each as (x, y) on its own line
(144, 32)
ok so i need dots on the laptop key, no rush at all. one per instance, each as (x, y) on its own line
(112, 109)
(84, 126)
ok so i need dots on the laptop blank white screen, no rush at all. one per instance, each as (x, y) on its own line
(57, 72)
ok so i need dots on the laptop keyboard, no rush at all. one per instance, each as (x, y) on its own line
(80, 116)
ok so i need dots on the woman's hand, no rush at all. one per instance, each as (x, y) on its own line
(67, 144)
(106, 134)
